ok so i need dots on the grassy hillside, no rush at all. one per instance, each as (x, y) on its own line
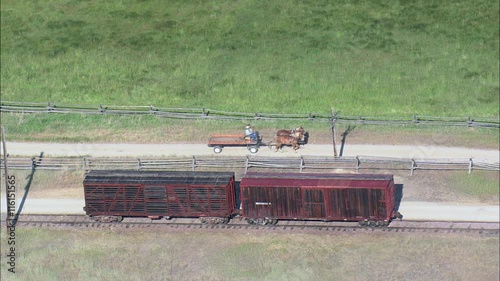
(364, 57)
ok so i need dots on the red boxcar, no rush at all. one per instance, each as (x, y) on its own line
(268, 197)
(112, 195)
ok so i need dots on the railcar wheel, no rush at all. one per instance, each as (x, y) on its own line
(257, 221)
(262, 221)
(253, 149)
(108, 219)
(217, 149)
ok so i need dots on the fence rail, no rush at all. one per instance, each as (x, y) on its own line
(203, 113)
(251, 162)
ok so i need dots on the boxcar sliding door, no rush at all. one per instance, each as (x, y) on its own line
(314, 203)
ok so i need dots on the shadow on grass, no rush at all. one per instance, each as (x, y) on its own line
(398, 189)
(26, 190)
(344, 136)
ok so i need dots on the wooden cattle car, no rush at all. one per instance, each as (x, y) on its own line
(269, 197)
(112, 195)
(218, 142)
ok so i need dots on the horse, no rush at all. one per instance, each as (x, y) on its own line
(280, 141)
(298, 133)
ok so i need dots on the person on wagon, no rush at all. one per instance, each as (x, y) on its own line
(249, 132)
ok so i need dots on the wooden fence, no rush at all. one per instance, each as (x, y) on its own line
(304, 163)
(203, 113)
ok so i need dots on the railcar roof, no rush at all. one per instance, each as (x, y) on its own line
(157, 177)
(270, 175)
(328, 180)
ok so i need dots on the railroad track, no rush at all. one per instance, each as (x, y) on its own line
(405, 226)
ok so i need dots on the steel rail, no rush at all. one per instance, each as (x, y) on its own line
(413, 226)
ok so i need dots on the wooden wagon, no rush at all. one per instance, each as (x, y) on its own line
(218, 142)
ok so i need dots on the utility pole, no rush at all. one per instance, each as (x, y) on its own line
(333, 121)
(6, 176)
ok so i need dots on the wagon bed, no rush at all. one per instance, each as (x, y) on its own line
(218, 142)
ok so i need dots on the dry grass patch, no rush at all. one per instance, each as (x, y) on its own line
(119, 254)
(450, 186)
(48, 184)
(433, 186)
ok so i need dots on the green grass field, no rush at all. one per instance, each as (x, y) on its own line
(150, 129)
(363, 57)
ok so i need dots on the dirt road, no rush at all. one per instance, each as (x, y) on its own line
(410, 210)
(162, 150)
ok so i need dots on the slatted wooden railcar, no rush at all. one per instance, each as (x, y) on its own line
(112, 195)
(269, 197)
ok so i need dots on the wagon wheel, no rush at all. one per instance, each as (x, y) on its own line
(217, 149)
(253, 149)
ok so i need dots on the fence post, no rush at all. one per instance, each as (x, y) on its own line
(50, 107)
(246, 164)
(89, 165)
(470, 165)
(415, 119)
(301, 163)
(139, 164)
(193, 163)
(333, 122)
(470, 122)
(413, 165)
(152, 109)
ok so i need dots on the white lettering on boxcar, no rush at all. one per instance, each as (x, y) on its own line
(263, 203)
